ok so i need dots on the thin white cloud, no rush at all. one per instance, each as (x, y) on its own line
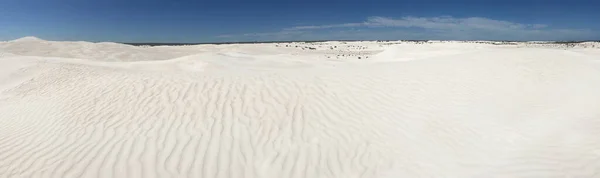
(225, 36)
(539, 26)
(443, 22)
(443, 27)
(325, 26)
(280, 33)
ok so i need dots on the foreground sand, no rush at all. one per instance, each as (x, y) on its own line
(269, 111)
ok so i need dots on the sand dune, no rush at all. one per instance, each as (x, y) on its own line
(31, 46)
(463, 110)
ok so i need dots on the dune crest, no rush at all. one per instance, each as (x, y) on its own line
(28, 39)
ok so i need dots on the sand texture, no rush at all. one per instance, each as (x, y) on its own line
(435, 110)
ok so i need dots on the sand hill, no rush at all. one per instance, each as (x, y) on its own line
(305, 110)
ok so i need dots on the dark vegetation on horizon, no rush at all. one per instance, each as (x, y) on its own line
(317, 41)
(241, 42)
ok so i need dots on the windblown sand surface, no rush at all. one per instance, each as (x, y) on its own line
(444, 109)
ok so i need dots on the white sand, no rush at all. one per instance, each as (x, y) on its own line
(447, 109)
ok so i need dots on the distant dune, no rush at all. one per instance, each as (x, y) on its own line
(368, 109)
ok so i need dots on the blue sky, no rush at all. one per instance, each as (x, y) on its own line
(263, 20)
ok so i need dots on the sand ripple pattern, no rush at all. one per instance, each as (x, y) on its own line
(464, 117)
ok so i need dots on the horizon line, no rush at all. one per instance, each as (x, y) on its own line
(316, 41)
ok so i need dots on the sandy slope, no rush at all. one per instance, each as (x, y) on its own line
(464, 110)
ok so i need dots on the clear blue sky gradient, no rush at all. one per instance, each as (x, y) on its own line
(237, 20)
